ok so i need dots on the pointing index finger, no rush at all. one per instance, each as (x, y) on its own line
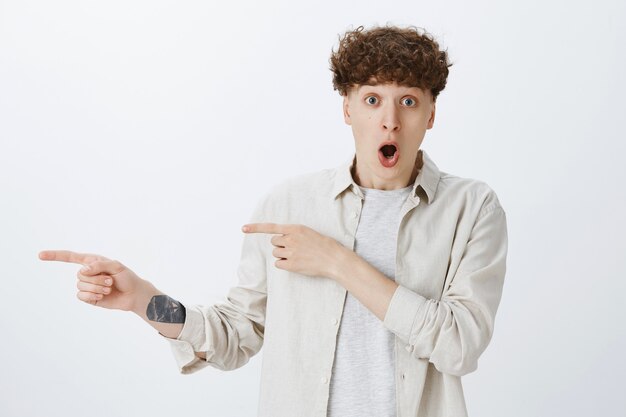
(273, 228)
(69, 256)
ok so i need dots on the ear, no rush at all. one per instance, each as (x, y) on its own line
(346, 110)
(431, 120)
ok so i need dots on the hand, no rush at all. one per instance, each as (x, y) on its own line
(107, 284)
(301, 249)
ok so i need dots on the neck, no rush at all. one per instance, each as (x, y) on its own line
(419, 163)
(417, 166)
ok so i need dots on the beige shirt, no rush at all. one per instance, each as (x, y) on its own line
(450, 267)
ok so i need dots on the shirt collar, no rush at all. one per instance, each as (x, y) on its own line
(427, 178)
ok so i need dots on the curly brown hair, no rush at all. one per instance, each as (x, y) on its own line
(388, 54)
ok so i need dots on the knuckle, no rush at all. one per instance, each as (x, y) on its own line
(118, 267)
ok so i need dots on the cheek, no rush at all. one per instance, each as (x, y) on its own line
(364, 123)
(358, 128)
(418, 124)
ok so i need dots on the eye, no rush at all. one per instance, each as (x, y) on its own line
(409, 102)
(371, 100)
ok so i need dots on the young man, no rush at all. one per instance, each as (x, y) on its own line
(385, 273)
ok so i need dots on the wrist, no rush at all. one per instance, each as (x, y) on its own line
(342, 264)
(144, 294)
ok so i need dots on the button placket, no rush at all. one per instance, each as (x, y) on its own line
(353, 215)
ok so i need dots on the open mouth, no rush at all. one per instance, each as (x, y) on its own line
(388, 151)
(388, 155)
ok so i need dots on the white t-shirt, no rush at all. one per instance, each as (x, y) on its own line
(363, 376)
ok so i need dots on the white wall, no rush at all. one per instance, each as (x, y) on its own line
(146, 131)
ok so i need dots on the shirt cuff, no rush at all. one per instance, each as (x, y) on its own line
(189, 341)
(402, 312)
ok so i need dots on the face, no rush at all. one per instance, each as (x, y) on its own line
(388, 122)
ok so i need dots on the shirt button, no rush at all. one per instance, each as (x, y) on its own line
(324, 380)
(335, 321)
(409, 348)
(355, 214)
(402, 376)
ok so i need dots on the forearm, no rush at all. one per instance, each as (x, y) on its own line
(367, 284)
(163, 313)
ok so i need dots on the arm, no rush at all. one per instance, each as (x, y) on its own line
(110, 284)
(162, 312)
(452, 332)
(225, 335)
(366, 283)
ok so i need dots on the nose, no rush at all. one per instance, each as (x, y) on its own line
(390, 121)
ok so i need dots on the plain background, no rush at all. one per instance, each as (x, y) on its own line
(146, 131)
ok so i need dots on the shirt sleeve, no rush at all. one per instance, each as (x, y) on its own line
(229, 332)
(453, 332)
